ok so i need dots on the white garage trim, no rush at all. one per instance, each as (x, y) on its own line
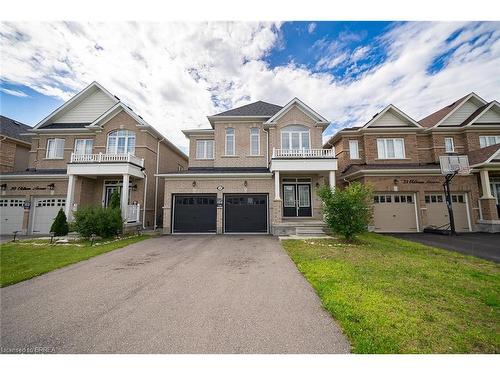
(468, 211)
(416, 211)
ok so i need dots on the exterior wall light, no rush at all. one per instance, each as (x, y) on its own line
(51, 186)
(3, 187)
(245, 183)
(194, 183)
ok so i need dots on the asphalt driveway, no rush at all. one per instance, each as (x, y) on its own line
(481, 245)
(181, 294)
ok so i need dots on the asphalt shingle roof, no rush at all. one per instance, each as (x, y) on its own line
(33, 171)
(357, 167)
(259, 108)
(65, 125)
(13, 129)
(437, 116)
(482, 154)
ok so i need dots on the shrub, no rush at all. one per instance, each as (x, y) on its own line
(60, 224)
(114, 200)
(103, 222)
(347, 211)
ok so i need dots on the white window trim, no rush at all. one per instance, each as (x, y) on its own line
(353, 155)
(385, 156)
(452, 144)
(483, 140)
(115, 151)
(258, 141)
(85, 140)
(226, 148)
(205, 149)
(48, 153)
(289, 135)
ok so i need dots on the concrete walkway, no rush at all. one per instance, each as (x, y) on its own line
(181, 294)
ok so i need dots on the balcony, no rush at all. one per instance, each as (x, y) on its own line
(307, 160)
(106, 165)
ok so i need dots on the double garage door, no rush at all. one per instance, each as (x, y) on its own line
(196, 213)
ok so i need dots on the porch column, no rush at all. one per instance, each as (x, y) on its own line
(485, 183)
(277, 186)
(332, 179)
(70, 197)
(124, 203)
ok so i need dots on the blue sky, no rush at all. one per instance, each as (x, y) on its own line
(175, 74)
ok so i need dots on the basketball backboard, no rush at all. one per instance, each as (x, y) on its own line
(454, 164)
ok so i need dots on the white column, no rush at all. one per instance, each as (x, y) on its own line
(70, 197)
(277, 186)
(485, 183)
(124, 205)
(332, 179)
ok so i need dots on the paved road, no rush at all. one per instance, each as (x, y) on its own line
(181, 294)
(481, 245)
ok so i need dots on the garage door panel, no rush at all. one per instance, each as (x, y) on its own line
(11, 215)
(394, 213)
(44, 213)
(245, 213)
(195, 214)
(437, 211)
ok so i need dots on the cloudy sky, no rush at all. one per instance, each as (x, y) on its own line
(175, 74)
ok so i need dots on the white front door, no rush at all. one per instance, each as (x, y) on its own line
(44, 212)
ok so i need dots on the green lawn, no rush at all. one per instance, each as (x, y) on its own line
(23, 260)
(396, 296)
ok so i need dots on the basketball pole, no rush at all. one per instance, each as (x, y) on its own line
(447, 194)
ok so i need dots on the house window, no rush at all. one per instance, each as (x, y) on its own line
(353, 149)
(180, 168)
(83, 146)
(205, 149)
(295, 137)
(121, 142)
(55, 148)
(254, 141)
(391, 148)
(449, 146)
(488, 140)
(229, 142)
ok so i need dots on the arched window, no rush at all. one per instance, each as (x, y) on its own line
(295, 137)
(121, 142)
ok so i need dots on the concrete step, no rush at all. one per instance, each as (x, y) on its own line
(299, 231)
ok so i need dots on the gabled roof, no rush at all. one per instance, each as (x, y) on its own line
(320, 120)
(434, 119)
(479, 112)
(13, 129)
(484, 155)
(392, 108)
(259, 108)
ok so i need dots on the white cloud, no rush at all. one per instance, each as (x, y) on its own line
(18, 93)
(175, 74)
(311, 27)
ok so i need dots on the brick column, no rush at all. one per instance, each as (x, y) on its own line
(489, 208)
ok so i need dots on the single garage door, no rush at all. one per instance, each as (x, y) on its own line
(437, 212)
(44, 212)
(394, 212)
(194, 214)
(11, 215)
(245, 213)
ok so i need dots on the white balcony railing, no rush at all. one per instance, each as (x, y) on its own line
(133, 211)
(107, 158)
(314, 153)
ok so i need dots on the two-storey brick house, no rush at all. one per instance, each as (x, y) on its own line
(399, 158)
(15, 145)
(80, 154)
(256, 170)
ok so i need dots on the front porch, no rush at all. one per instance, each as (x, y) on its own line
(489, 202)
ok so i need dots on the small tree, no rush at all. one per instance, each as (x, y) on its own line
(114, 200)
(347, 211)
(60, 224)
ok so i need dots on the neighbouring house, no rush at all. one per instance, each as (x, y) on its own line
(15, 145)
(79, 155)
(256, 170)
(399, 157)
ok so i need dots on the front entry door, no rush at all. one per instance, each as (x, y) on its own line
(297, 200)
(109, 191)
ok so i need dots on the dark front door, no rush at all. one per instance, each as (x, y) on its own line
(245, 213)
(194, 214)
(297, 200)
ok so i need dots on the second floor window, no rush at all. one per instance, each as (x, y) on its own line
(254, 141)
(391, 148)
(488, 140)
(121, 142)
(353, 149)
(55, 148)
(230, 142)
(295, 137)
(449, 146)
(83, 146)
(205, 149)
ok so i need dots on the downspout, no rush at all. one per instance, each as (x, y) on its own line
(156, 182)
(144, 200)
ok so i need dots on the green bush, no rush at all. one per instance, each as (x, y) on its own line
(114, 200)
(103, 222)
(60, 225)
(347, 211)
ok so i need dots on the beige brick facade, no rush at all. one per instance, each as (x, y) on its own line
(13, 155)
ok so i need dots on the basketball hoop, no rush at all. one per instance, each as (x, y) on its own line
(454, 164)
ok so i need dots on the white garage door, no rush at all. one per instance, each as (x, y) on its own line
(394, 213)
(437, 212)
(11, 215)
(44, 213)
